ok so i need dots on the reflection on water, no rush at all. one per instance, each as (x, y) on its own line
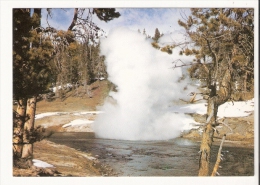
(176, 157)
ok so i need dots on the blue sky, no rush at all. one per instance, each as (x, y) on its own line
(165, 19)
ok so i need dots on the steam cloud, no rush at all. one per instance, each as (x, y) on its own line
(146, 86)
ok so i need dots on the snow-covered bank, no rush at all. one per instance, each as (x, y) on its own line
(86, 120)
(238, 109)
(47, 114)
(228, 109)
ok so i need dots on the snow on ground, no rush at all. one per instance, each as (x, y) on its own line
(78, 122)
(41, 164)
(228, 109)
(189, 123)
(46, 114)
(199, 108)
(87, 112)
(238, 109)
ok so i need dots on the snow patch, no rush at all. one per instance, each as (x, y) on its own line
(41, 164)
(228, 109)
(47, 114)
(189, 123)
(87, 112)
(238, 109)
(78, 122)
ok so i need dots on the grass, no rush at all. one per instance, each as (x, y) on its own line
(71, 102)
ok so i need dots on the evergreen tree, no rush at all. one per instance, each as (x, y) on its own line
(32, 51)
(223, 43)
(167, 48)
(157, 35)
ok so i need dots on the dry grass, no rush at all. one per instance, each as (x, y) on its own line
(77, 103)
(77, 163)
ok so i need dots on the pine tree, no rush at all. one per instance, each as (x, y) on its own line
(157, 35)
(32, 51)
(224, 51)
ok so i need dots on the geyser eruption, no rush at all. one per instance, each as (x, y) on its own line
(146, 86)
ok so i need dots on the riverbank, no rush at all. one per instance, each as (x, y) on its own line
(239, 131)
(66, 161)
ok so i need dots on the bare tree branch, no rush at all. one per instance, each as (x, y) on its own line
(215, 169)
(74, 20)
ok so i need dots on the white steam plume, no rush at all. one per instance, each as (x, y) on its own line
(146, 86)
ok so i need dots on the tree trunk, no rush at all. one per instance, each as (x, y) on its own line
(207, 137)
(245, 83)
(28, 129)
(18, 124)
(216, 99)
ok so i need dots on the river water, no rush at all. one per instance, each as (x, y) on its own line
(176, 157)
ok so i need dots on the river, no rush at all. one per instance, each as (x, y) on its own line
(175, 157)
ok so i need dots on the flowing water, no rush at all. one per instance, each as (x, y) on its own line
(176, 157)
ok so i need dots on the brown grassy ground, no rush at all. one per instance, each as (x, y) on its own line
(72, 102)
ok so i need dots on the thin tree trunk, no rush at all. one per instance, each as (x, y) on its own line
(207, 138)
(28, 129)
(57, 94)
(18, 124)
(245, 83)
(215, 100)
